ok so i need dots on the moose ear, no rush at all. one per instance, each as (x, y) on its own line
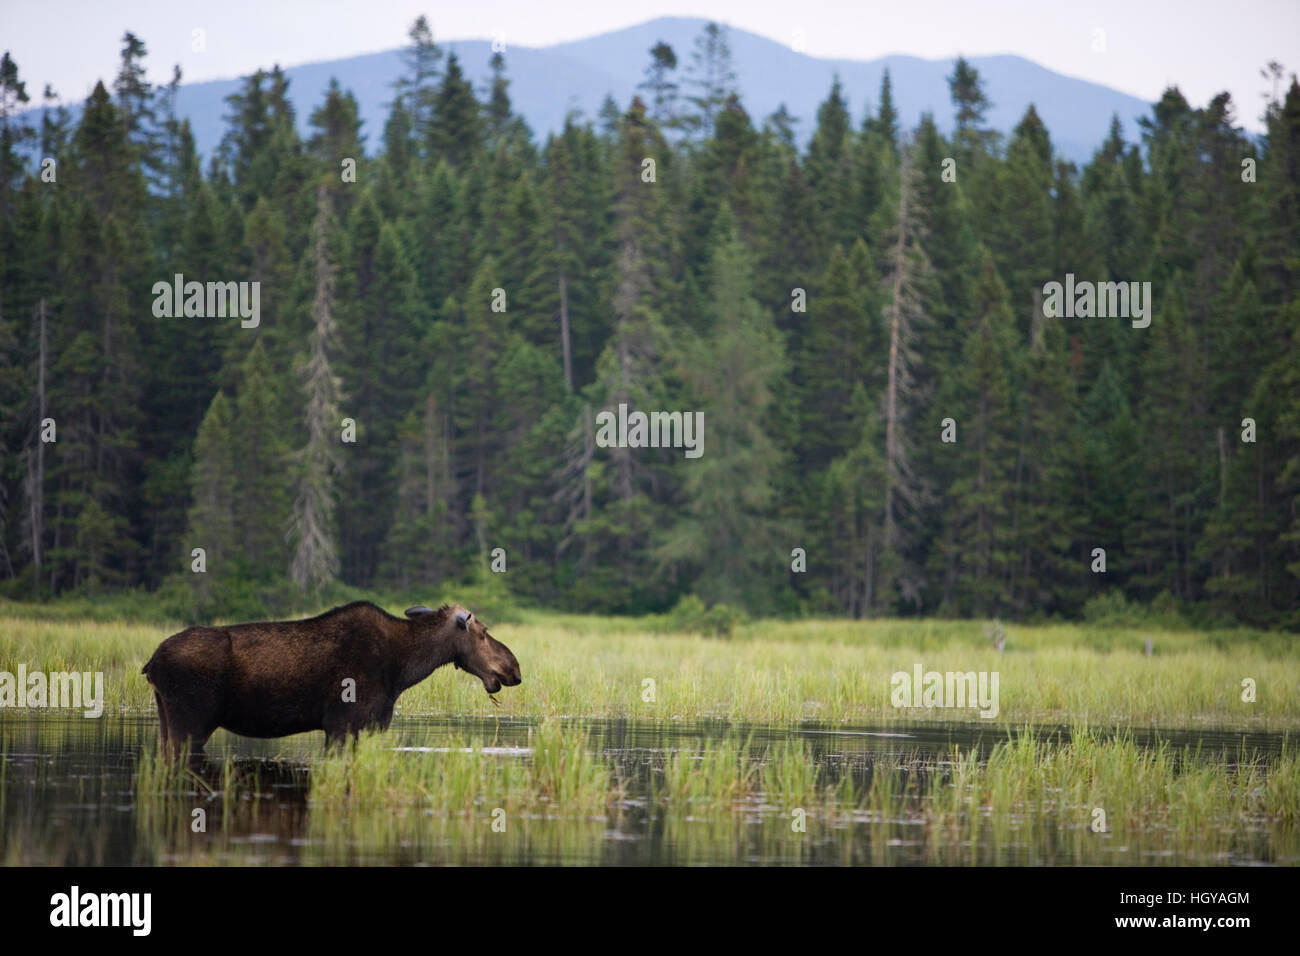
(418, 611)
(463, 618)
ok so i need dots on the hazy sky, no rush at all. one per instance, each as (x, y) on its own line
(1202, 45)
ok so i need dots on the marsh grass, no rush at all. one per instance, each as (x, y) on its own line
(792, 777)
(781, 672)
(720, 777)
(373, 799)
(1028, 798)
(562, 774)
(1150, 796)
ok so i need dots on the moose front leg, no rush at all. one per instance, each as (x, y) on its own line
(355, 713)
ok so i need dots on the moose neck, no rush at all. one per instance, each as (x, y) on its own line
(428, 647)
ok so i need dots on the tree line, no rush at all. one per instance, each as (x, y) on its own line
(893, 424)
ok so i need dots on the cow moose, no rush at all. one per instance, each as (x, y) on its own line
(340, 672)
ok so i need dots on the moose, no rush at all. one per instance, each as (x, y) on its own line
(340, 672)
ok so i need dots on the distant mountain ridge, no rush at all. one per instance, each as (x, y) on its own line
(549, 82)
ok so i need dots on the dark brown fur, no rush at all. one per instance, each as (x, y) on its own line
(277, 678)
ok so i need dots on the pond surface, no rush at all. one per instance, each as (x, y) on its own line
(68, 795)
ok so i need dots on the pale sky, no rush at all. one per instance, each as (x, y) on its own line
(1202, 45)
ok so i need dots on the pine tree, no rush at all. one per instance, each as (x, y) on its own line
(830, 169)
(659, 85)
(416, 88)
(848, 518)
(262, 451)
(136, 98)
(874, 172)
(711, 77)
(970, 103)
(792, 250)
(264, 257)
(420, 546)
(1020, 233)
(1178, 460)
(978, 546)
(33, 454)
(315, 559)
(177, 395)
(1111, 473)
(96, 377)
(534, 425)
(885, 124)
(575, 248)
(479, 340)
(380, 323)
(1046, 519)
(442, 259)
(13, 136)
(842, 350)
(261, 144)
(727, 535)
(505, 130)
(722, 177)
(337, 138)
(951, 246)
(456, 133)
(214, 484)
(632, 369)
(1270, 473)
(13, 266)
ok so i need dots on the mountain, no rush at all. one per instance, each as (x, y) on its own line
(1076, 112)
(548, 82)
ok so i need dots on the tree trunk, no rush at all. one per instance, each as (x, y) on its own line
(565, 346)
(891, 392)
(36, 493)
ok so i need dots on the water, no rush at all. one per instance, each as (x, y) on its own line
(68, 796)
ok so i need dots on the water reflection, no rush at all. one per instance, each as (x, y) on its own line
(70, 793)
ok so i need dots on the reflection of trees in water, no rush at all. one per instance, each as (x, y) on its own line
(94, 793)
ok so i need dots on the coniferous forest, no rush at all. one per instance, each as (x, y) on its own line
(894, 422)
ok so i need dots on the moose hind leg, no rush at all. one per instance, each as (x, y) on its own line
(164, 729)
(188, 725)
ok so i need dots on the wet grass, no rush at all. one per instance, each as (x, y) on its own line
(781, 673)
(1061, 779)
(564, 774)
(1106, 796)
(581, 791)
(1086, 797)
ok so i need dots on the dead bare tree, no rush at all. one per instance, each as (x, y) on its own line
(908, 271)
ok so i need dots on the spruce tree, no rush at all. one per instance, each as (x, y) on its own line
(659, 85)
(727, 535)
(456, 133)
(315, 559)
(215, 492)
(710, 77)
(977, 551)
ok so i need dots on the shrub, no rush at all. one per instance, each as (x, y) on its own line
(690, 614)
